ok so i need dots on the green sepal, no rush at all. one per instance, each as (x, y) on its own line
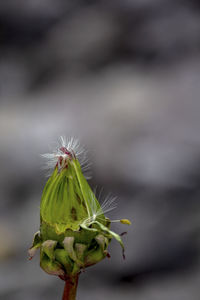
(94, 256)
(50, 266)
(35, 245)
(47, 259)
(111, 234)
(69, 247)
(80, 251)
(102, 241)
(48, 248)
(63, 258)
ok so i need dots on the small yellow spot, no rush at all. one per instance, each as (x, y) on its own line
(125, 221)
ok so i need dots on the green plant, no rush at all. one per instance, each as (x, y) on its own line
(74, 231)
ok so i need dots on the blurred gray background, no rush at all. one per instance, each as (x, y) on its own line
(124, 77)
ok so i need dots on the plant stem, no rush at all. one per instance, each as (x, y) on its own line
(70, 288)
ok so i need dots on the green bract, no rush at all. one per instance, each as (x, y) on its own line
(74, 232)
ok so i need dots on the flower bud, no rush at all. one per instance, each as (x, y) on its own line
(74, 232)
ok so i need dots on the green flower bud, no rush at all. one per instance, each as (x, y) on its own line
(74, 232)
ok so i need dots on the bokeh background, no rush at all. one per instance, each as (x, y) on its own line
(124, 77)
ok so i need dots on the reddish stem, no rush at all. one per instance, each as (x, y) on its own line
(71, 284)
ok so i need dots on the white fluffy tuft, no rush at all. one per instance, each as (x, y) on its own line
(73, 146)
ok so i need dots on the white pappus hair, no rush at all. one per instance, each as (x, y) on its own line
(74, 148)
(107, 204)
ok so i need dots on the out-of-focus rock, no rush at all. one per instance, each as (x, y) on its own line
(8, 242)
